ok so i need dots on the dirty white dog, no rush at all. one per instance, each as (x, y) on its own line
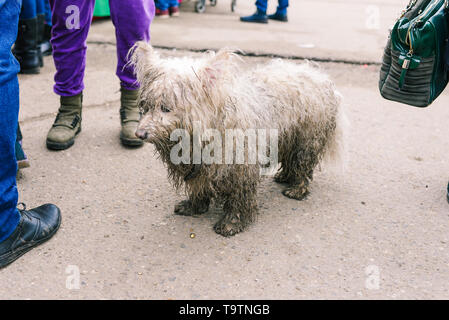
(299, 101)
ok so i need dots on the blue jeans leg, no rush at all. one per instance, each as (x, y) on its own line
(282, 7)
(173, 3)
(9, 112)
(47, 10)
(262, 5)
(161, 4)
(29, 9)
(40, 6)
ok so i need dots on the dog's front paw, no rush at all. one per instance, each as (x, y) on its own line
(185, 208)
(296, 192)
(229, 226)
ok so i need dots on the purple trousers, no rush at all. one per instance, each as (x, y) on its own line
(71, 22)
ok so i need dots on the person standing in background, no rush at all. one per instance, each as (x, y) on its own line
(32, 43)
(46, 36)
(260, 16)
(27, 49)
(167, 8)
(71, 21)
(20, 230)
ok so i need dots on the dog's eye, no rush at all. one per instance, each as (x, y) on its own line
(143, 108)
(165, 109)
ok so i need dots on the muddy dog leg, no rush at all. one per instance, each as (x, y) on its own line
(298, 190)
(196, 205)
(299, 172)
(238, 214)
(281, 177)
(240, 205)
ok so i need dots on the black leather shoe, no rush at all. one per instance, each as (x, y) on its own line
(279, 17)
(35, 227)
(258, 17)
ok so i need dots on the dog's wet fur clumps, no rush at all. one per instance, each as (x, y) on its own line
(296, 99)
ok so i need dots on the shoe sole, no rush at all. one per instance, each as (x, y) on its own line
(59, 146)
(263, 22)
(131, 142)
(11, 257)
(278, 19)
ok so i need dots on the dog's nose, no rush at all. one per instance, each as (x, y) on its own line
(142, 134)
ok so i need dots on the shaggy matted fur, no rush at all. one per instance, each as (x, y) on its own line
(297, 100)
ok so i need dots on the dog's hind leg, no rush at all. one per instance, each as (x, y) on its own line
(298, 190)
(298, 172)
(195, 205)
(281, 177)
(301, 150)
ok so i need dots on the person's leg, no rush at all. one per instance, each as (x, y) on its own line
(26, 48)
(19, 231)
(40, 6)
(28, 9)
(162, 8)
(162, 4)
(262, 5)
(282, 7)
(132, 20)
(173, 3)
(71, 21)
(45, 45)
(47, 11)
(40, 14)
(261, 14)
(173, 7)
(281, 12)
(9, 113)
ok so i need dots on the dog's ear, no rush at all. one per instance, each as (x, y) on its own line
(218, 65)
(144, 60)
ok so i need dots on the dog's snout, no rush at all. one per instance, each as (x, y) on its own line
(142, 134)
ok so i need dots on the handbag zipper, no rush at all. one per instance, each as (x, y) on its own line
(430, 7)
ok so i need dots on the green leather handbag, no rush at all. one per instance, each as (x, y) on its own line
(414, 67)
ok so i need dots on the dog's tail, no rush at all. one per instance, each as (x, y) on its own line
(336, 151)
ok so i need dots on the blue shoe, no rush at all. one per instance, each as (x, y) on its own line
(258, 17)
(279, 17)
